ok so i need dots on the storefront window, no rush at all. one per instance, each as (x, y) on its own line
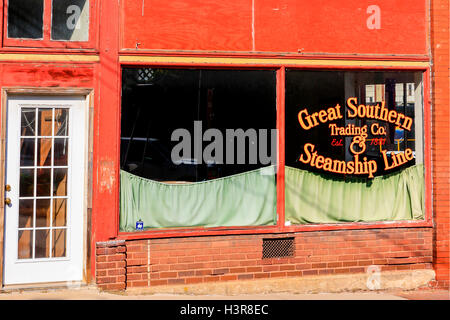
(198, 148)
(207, 104)
(387, 105)
(353, 146)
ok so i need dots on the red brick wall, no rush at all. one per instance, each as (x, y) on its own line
(441, 137)
(110, 263)
(223, 258)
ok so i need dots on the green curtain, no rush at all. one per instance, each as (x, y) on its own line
(317, 198)
(246, 199)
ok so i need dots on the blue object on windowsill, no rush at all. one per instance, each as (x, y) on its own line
(140, 225)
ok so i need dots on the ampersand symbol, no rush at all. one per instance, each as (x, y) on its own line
(361, 141)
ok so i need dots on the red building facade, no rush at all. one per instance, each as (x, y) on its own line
(73, 81)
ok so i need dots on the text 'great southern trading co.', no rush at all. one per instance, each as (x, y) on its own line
(360, 133)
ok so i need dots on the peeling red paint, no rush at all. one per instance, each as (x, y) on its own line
(281, 26)
(107, 177)
(46, 75)
(233, 28)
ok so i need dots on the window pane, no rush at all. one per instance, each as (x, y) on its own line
(27, 152)
(61, 122)
(157, 102)
(59, 212)
(60, 182)
(42, 243)
(61, 148)
(353, 146)
(45, 121)
(27, 182)
(25, 19)
(25, 244)
(44, 152)
(70, 20)
(43, 182)
(28, 122)
(26, 213)
(43, 213)
(386, 109)
(59, 243)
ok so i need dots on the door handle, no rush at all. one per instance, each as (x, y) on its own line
(8, 201)
(7, 188)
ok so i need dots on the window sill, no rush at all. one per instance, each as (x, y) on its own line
(198, 231)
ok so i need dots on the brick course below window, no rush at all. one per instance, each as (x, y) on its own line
(141, 263)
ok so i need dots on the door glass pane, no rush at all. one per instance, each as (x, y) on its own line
(45, 122)
(61, 147)
(26, 188)
(70, 20)
(59, 212)
(26, 213)
(42, 244)
(25, 19)
(59, 243)
(60, 182)
(27, 152)
(61, 122)
(25, 244)
(42, 213)
(28, 122)
(43, 182)
(44, 152)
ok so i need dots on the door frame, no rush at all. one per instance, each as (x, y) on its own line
(88, 95)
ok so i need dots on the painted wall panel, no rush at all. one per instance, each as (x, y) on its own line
(46, 75)
(341, 26)
(187, 25)
(322, 26)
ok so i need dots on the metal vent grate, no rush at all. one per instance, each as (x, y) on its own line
(278, 248)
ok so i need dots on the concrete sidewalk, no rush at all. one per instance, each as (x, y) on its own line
(426, 294)
(94, 294)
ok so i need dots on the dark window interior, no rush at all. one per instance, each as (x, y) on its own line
(155, 102)
(25, 19)
(314, 91)
(317, 90)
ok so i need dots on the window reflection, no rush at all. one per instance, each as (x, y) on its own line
(25, 19)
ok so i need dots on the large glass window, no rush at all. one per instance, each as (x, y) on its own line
(328, 109)
(354, 146)
(212, 106)
(198, 148)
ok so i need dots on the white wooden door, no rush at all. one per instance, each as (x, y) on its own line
(45, 173)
